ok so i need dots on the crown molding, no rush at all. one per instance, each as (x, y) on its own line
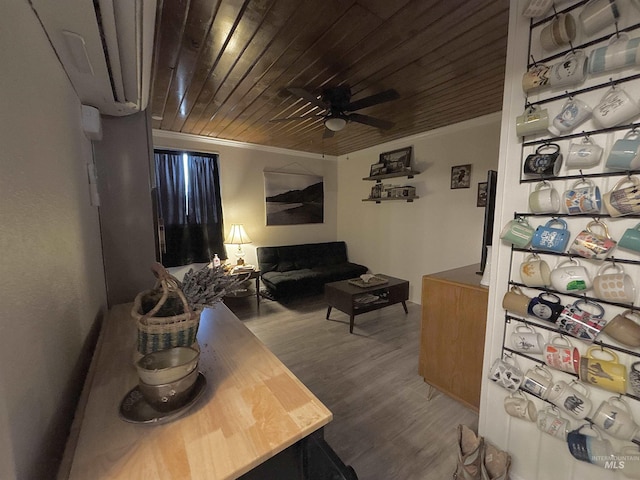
(160, 135)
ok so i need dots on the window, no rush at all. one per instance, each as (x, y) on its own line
(188, 207)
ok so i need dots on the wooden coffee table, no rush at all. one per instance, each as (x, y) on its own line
(354, 300)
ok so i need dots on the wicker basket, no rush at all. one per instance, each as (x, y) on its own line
(170, 322)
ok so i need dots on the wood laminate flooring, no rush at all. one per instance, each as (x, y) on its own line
(384, 425)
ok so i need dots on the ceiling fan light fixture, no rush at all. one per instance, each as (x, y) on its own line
(335, 123)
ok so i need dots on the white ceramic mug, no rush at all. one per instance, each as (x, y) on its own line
(559, 353)
(625, 329)
(623, 201)
(552, 423)
(584, 154)
(614, 287)
(572, 398)
(590, 447)
(614, 418)
(533, 120)
(631, 456)
(569, 276)
(537, 381)
(535, 272)
(519, 406)
(615, 107)
(572, 70)
(598, 14)
(544, 199)
(507, 375)
(525, 339)
(620, 52)
(559, 32)
(536, 8)
(573, 113)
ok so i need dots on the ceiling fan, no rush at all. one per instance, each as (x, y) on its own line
(338, 108)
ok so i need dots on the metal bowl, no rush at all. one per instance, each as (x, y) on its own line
(166, 366)
(169, 396)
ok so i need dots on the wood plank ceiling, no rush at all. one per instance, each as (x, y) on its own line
(222, 67)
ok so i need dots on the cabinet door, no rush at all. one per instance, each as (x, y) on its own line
(452, 338)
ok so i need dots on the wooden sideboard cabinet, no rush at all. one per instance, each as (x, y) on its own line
(454, 312)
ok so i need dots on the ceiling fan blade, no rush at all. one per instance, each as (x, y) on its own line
(365, 102)
(328, 133)
(374, 122)
(308, 96)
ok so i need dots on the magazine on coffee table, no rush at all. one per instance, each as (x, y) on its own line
(373, 282)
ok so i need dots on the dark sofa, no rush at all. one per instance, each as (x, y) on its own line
(293, 270)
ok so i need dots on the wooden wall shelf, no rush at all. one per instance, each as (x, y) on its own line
(408, 174)
(378, 200)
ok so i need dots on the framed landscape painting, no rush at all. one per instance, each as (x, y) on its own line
(293, 199)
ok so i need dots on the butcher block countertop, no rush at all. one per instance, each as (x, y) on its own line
(253, 408)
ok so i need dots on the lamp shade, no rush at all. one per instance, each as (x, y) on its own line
(237, 235)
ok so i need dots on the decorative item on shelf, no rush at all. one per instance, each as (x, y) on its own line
(551, 239)
(533, 120)
(238, 236)
(545, 162)
(625, 153)
(169, 314)
(397, 161)
(589, 244)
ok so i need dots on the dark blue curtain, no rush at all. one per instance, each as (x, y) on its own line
(194, 233)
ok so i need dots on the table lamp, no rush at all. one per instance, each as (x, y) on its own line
(237, 236)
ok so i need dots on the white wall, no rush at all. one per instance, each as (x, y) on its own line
(537, 456)
(439, 231)
(51, 278)
(242, 188)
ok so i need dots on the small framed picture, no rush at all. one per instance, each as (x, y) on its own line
(482, 194)
(461, 176)
(377, 169)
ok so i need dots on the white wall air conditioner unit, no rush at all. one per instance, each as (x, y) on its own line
(106, 49)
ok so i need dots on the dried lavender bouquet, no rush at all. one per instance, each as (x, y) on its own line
(206, 286)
